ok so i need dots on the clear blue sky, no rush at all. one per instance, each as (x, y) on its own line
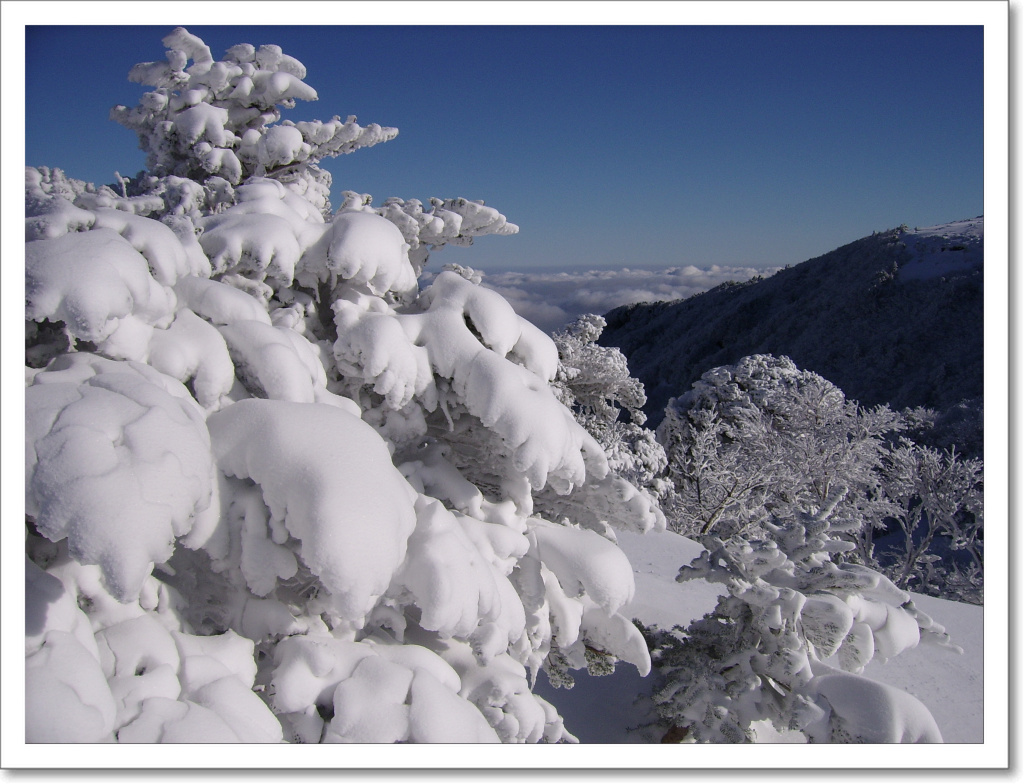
(609, 146)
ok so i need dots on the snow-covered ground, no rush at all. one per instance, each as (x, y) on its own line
(606, 710)
(945, 249)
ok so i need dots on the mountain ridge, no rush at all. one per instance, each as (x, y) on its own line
(892, 318)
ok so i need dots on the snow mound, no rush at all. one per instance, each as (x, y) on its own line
(459, 591)
(373, 693)
(274, 362)
(218, 302)
(262, 236)
(191, 350)
(67, 696)
(163, 252)
(328, 481)
(863, 711)
(366, 250)
(91, 281)
(117, 461)
(139, 678)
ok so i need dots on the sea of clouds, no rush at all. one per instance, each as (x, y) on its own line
(552, 299)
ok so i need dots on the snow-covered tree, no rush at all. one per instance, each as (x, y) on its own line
(275, 489)
(938, 498)
(209, 119)
(776, 474)
(595, 380)
(763, 438)
(788, 642)
(595, 383)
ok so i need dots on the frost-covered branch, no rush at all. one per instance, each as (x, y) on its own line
(446, 222)
(937, 496)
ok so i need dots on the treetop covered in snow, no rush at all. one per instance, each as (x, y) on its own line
(219, 117)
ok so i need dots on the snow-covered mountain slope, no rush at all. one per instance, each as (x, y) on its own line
(944, 250)
(611, 709)
(896, 317)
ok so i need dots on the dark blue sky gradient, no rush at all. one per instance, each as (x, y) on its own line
(609, 146)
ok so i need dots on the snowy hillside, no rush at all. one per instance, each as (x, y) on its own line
(893, 318)
(944, 251)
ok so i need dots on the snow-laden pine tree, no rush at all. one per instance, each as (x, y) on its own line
(777, 475)
(275, 489)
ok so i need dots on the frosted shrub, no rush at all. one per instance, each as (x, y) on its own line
(762, 438)
(939, 500)
(276, 489)
(778, 476)
(595, 383)
(595, 380)
(787, 644)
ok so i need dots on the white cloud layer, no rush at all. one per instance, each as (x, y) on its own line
(553, 299)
